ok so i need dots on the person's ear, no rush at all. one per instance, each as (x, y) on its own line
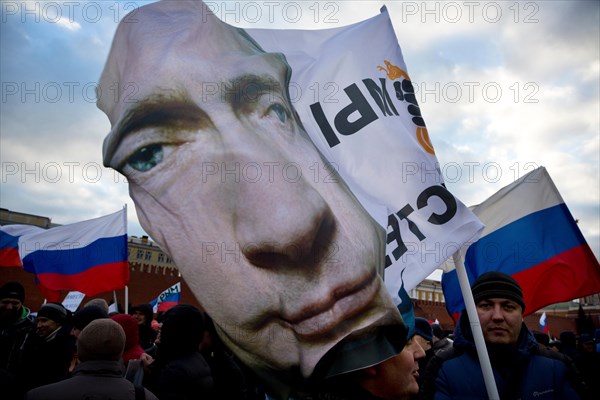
(370, 372)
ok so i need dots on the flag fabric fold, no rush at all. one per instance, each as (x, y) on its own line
(359, 108)
(9, 243)
(530, 235)
(167, 299)
(88, 256)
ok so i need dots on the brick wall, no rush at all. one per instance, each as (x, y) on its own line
(146, 286)
(143, 287)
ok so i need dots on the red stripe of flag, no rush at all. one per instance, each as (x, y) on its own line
(98, 279)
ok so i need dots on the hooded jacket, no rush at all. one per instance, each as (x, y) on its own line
(147, 335)
(133, 350)
(521, 372)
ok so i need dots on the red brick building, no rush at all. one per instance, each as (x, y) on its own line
(152, 271)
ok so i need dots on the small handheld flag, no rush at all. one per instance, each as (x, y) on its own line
(167, 299)
(543, 323)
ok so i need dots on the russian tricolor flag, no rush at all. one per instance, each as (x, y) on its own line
(88, 256)
(9, 243)
(531, 235)
(543, 323)
(167, 299)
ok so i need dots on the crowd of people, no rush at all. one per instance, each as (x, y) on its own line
(178, 354)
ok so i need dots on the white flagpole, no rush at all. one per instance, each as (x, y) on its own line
(115, 300)
(126, 299)
(126, 287)
(484, 358)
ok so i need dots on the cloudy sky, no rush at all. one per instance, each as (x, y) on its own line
(504, 87)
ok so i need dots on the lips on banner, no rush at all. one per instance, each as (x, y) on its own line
(352, 90)
(531, 235)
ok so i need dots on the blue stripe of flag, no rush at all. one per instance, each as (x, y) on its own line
(515, 247)
(73, 261)
(8, 241)
(525, 242)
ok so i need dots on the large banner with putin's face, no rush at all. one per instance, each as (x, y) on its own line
(366, 120)
(281, 213)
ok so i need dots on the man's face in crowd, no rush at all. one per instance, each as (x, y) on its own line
(225, 179)
(500, 320)
(424, 343)
(45, 326)
(396, 378)
(10, 308)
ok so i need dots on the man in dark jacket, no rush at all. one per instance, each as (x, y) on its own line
(15, 324)
(47, 352)
(99, 375)
(179, 371)
(521, 369)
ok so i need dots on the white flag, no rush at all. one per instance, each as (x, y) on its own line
(351, 88)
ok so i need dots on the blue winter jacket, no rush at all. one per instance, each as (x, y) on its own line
(523, 372)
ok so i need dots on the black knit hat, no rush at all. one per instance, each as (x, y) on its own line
(496, 284)
(54, 311)
(86, 315)
(12, 290)
(423, 329)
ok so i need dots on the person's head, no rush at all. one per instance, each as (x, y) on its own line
(50, 318)
(568, 340)
(130, 327)
(228, 183)
(500, 305)
(84, 316)
(423, 333)
(181, 332)
(12, 296)
(397, 377)
(103, 339)
(143, 314)
(98, 302)
(438, 333)
(586, 341)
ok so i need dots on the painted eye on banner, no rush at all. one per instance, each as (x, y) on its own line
(279, 111)
(146, 158)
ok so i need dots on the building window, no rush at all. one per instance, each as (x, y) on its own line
(139, 255)
(148, 256)
(161, 257)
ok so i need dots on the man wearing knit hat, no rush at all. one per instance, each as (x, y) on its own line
(521, 369)
(48, 351)
(99, 375)
(15, 324)
(83, 317)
